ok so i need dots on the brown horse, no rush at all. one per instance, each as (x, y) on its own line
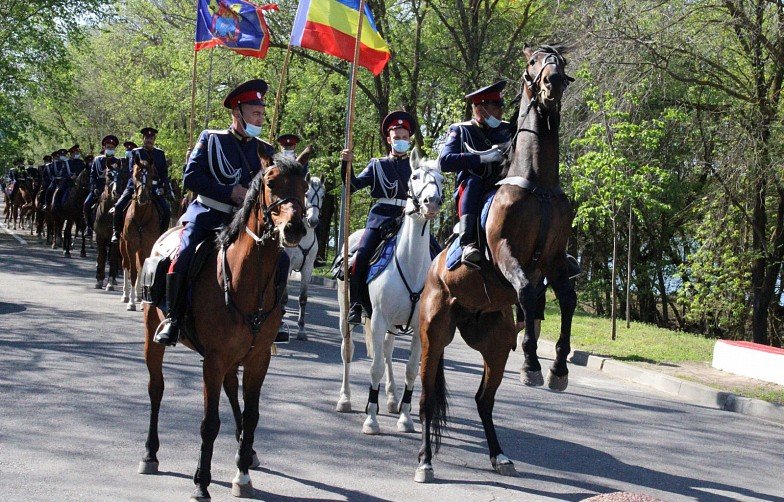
(141, 229)
(103, 234)
(15, 204)
(70, 213)
(528, 226)
(29, 210)
(235, 314)
(43, 219)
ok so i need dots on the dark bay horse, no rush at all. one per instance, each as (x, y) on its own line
(141, 229)
(235, 314)
(70, 213)
(103, 234)
(528, 226)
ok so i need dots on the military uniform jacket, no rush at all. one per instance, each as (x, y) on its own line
(215, 167)
(157, 158)
(48, 174)
(98, 171)
(455, 158)
(65, 169)
(388, 179)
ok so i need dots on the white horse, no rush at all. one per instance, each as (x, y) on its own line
(303, 256)
(394, 297)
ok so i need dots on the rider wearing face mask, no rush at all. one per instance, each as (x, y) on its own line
(220, 168)
(477, 172)
(387, 178)
(159, 170)
(97, 177)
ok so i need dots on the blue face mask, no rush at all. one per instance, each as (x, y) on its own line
(109, 152)
(252, 130)
(128, 154)
(492, 122)
(401, 145)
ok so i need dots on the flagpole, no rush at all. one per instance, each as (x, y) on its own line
(349, 168)
(279, 94)
(209, 91)
(192, 124)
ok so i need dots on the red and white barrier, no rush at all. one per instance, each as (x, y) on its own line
(749, 359)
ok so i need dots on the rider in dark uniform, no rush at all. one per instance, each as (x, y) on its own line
(387, 178)
(219, 171)
(43, 180)
(98, 169)
(124, 174)
(476, 172)
(157, 158)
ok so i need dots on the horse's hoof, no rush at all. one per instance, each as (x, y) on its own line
(99, 285)
(243, 491)
(424, 474)
(131, 307)
(344, 405)
(532, 378)
(504, 466)
(83, 254)
(150, 467)
(124, 299)
(405, 424)
(392, 404)
(114, 281)
(200, 495)
(109, 287)
(302, 336)
(370, 427)
(556, 383)
(255, 462)
(67, 254)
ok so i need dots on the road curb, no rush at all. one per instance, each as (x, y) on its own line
(695, 393)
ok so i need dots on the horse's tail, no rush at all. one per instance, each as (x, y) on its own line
(438, 407)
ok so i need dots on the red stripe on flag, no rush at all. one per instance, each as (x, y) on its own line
(326, 39)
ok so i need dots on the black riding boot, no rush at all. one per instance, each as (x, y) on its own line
(355, 295)
(169, 333)
(471, 254)
(282, 293)
(117, 223)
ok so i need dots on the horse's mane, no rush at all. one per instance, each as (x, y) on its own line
(287, 167)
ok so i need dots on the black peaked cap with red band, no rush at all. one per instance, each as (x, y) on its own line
(491, 93)
(288, 139)
(398, 120)
(249, 93)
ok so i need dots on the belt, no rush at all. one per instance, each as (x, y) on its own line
(392, 202)
(214, 204)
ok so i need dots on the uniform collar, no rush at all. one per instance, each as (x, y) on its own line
(240, 137)
(399, 157)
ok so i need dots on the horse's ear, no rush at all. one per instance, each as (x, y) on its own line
(528, 51)
(416, 155)
(307, 176)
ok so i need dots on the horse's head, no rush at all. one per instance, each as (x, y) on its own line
(313, 200)
(545, 79)
(425, 187)
(144, 181)
(280, 200)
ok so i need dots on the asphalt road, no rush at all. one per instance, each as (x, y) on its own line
(74, 409)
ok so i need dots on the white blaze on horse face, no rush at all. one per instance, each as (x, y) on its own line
(426, 184)
(313, 200)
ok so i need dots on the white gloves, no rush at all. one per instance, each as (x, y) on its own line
(492, 155)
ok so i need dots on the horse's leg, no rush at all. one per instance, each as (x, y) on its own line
(126, 285)
(83, 252)
(100, 264)
(495, 352)
(114, 260)
(210, 426)
(252, 380)
(390, 388)
(231, 387)
(67, 237)
(305, 275)
(558, 378)
(346, 354)
(153, 356)
(132, 276)
(437, 328)
(405, 423)
(375, 330)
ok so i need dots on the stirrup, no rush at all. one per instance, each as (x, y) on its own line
(355, 314)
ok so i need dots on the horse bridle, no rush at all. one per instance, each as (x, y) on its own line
(414, 196)
(309, 203)
(266, 211)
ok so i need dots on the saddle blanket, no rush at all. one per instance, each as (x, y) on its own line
(387, 255)
(456, 250)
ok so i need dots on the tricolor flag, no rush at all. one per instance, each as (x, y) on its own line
(235, 24)
(330, 26)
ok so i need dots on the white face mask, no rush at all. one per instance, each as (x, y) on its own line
(63, 158)
(401, 145)
(109, 152)
(128, 154)
(289, 154)
(252, 130)
(77, 156)
(492, 122)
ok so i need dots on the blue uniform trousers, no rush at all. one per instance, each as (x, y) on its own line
(471, 192)
(88, 208)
